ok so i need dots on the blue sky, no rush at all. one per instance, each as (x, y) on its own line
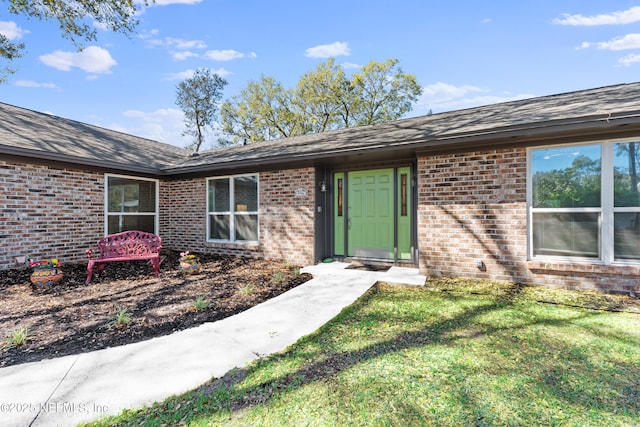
(464, 53)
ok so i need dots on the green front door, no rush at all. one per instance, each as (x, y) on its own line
(372, 214)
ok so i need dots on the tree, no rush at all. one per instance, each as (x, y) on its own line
(324, 99)
(325, 96)
(578, 185)
(264, 110)
(382, 92)
(198, 98)
(75, 19)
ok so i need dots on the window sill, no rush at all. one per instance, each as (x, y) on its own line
(252, 246)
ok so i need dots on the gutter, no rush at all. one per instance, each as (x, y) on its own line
(83, 161)
(498, 137)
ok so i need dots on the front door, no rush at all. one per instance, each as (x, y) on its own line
(372, 214)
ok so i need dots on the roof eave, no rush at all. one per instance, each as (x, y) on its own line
(81, 161)
(593, 126)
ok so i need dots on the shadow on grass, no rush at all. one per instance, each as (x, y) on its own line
(228, 395)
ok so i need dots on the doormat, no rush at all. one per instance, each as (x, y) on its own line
(369, 267)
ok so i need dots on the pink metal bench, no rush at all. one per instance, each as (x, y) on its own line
(126, 246)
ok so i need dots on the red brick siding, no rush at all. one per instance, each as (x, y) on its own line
(472, 206)
(286, 217)
(48, 212)
(183, 214)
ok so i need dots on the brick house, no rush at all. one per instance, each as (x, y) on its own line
(541, 191)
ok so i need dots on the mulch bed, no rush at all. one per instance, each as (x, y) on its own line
(71, 317)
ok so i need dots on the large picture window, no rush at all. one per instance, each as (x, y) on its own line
(232, 209)
(584, 201)
(131, 204)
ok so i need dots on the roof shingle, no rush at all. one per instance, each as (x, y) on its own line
(30, 133)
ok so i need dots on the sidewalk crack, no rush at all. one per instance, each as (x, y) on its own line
(54, 390)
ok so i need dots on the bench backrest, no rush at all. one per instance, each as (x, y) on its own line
(129, 243)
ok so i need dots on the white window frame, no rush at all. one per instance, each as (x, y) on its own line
(606, 229)
(107, 214)
(231, 213)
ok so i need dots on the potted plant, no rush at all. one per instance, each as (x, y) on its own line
(189, 263)
(46, 272)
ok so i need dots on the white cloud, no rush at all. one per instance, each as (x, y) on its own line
(350, 66)
(92, 59)
(627, 60)
(10, 30)
(222, 72)
(179, 49)
(187, 74)
(182, 55)
(164, 125)
(224, 55)
(630, 41)
(439, 97)
(623, 17)
(185, 44)
(182, 75)
(31, 83)
(444, 91)
(172, 42)
(328, 50)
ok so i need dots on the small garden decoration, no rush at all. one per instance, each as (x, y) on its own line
(46, 272)
(189, 263)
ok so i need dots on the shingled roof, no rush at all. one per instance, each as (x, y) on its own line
(593, 111)
(32, 134)
(602, 112)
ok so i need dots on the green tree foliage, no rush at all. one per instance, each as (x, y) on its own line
(576, 186)
(198, 97)
(626, 192)
(382, 92)
(324, 99)
(76, 20)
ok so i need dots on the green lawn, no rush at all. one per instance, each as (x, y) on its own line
(456, 352)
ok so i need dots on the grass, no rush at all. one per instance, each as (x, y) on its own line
(122, 318)
(451, 353)
(200, 303)
(246, 290)
(18, 337)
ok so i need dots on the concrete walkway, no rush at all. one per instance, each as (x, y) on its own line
(84, 387)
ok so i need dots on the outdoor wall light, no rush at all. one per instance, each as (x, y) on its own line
(323, 186)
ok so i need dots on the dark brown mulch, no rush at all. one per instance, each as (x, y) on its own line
(72, 318)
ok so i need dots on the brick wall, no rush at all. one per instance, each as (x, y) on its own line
(472, 206)
(286, 217)
(183, 205)
(48, 212)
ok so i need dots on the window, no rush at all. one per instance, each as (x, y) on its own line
(584, 201)
(131, 204)
(232, 209)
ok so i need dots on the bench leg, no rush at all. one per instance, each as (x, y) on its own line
(89, 272)
(155, 263)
